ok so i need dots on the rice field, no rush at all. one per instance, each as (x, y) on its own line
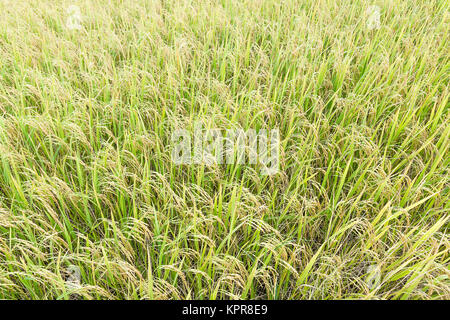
(93, 205)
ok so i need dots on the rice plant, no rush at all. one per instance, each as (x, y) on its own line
(92, 205)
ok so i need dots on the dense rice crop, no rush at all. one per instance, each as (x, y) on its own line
(92, 205)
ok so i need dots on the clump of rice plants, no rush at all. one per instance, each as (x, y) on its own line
(92, 205)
